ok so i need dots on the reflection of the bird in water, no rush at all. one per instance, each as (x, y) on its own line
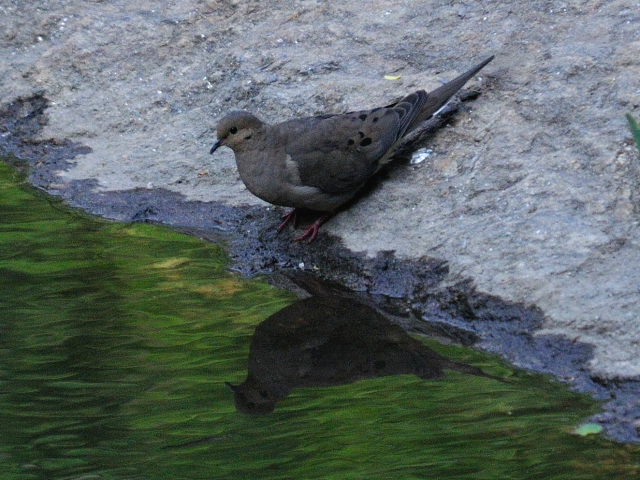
(330, 339)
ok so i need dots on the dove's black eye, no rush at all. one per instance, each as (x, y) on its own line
(233, 130)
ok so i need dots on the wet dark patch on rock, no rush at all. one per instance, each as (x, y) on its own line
(418, 293)
(21, 121)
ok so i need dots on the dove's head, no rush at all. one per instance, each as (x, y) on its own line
(236, 129)
(251, 399)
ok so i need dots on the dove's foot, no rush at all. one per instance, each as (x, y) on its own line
(292, 216)
(312, 231)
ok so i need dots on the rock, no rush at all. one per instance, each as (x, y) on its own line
(532, 192)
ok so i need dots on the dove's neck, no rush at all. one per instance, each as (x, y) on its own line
(260, 164)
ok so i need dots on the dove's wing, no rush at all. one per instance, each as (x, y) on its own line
(338, 153)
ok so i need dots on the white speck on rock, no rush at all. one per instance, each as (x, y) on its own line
(420, 156)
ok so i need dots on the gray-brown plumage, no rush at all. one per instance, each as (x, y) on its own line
(321, 162)
(330, 339)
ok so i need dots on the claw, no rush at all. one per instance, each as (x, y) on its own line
(312, 231)
(287, 218)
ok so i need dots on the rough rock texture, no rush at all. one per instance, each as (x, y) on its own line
(532, 192)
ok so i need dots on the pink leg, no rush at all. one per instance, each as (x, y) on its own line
(288, 218)
(312, 231)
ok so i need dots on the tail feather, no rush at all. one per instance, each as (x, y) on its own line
(441, 95)
(469, 369)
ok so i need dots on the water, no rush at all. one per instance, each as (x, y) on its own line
(116, 342)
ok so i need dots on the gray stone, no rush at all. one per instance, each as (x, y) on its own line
(532, 192)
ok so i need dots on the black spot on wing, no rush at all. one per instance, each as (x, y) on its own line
(363, 117)
(365, 142)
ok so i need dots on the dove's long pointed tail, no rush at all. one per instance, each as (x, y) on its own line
(440, 96)
(469, 370)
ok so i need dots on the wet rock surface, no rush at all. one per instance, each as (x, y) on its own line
(518, 234)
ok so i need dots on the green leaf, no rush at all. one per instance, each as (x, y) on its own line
(588, 429)
(635, 130)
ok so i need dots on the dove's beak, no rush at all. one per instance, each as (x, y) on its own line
(215, 146)
(233, 388)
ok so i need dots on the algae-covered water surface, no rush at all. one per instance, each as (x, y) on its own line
(116, 341)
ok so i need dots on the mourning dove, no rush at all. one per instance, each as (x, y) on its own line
(321, 162)
(331, 338)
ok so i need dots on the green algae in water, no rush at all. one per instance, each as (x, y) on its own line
(116, 341)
